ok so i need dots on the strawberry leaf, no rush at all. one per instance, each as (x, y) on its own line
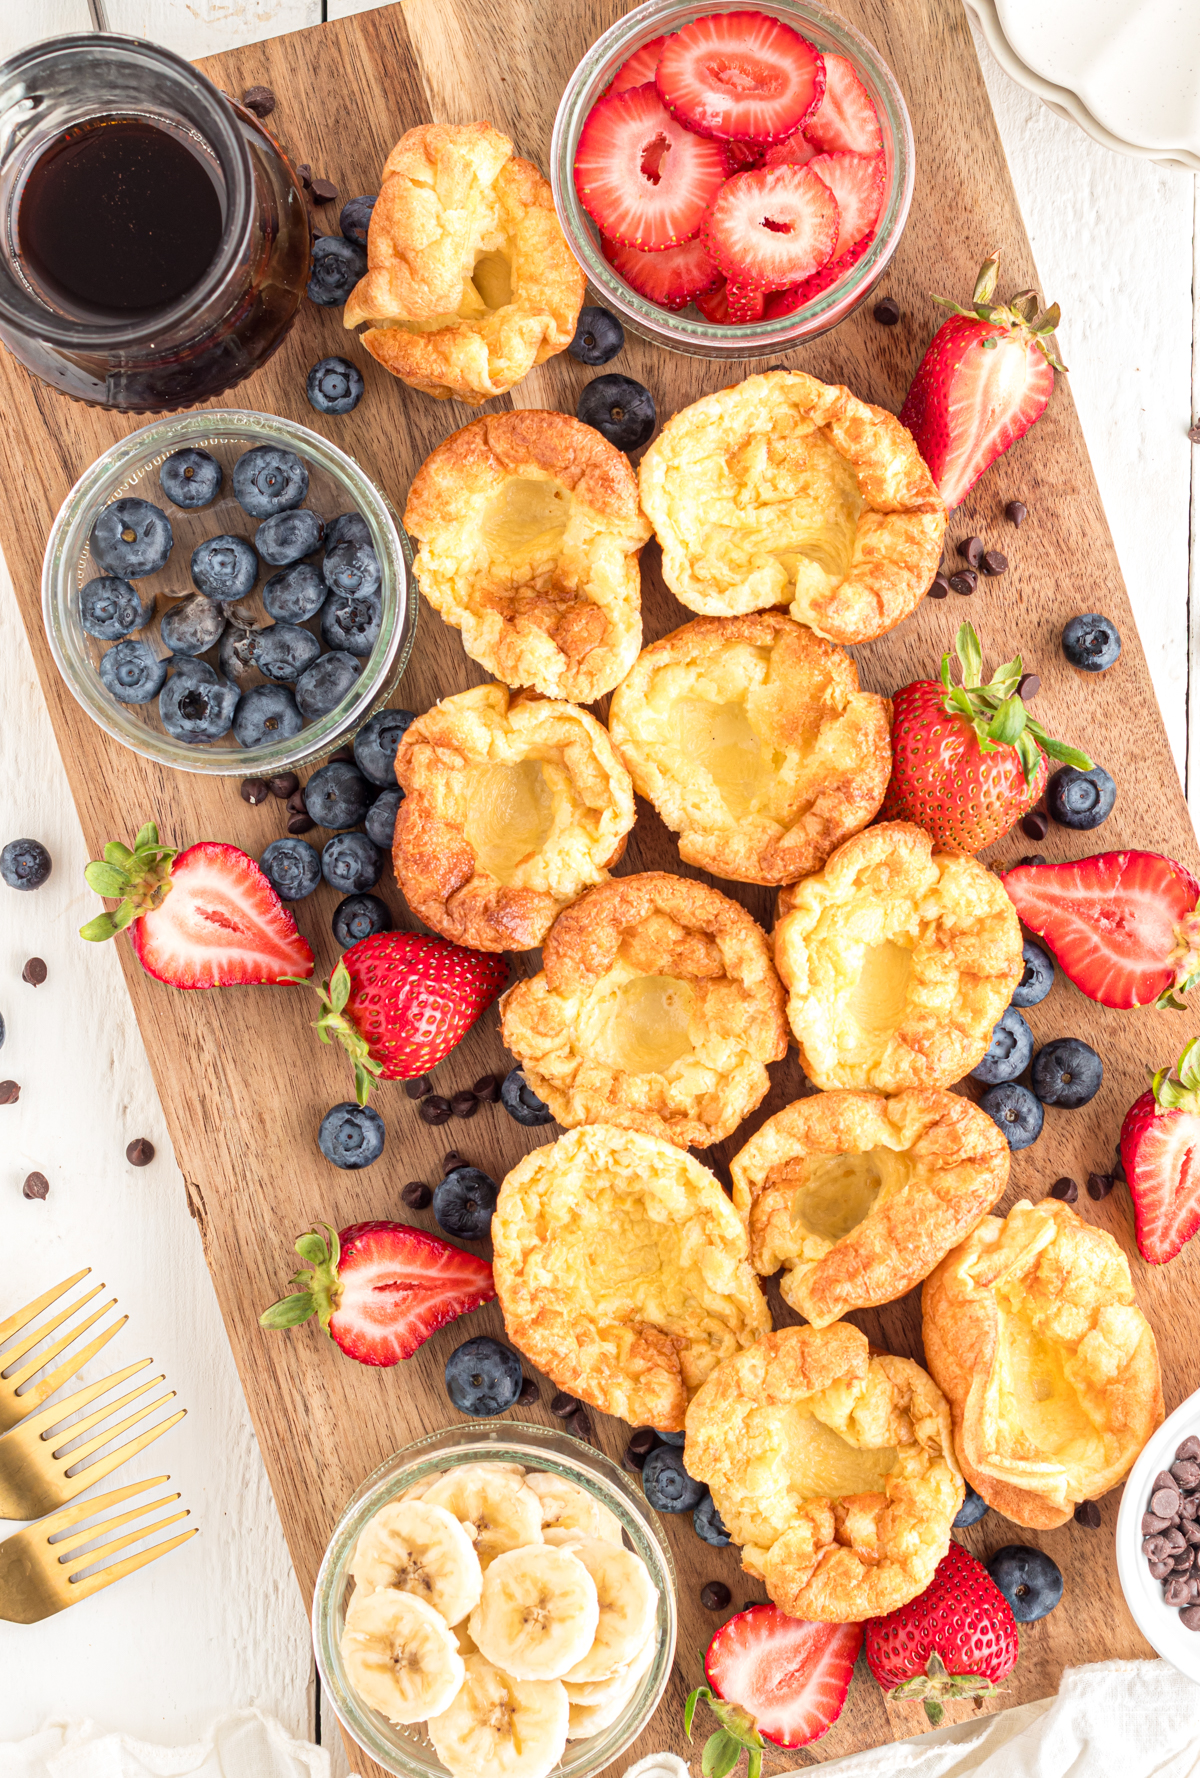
(289, 1311)
(1068, 756)
(689, 1709)
(1008, 723)
(312, 1248)
(1028, 753)
(97, 930)
(985, 283)
(970, 655)
(124, 916)
(147, 836)
(116, 853)
(106, 879)
(339, 987)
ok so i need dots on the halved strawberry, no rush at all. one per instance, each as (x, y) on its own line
(639, 68)
(203, 918)
(845, 122)
(640, 175)
(794, 151)
(379, 1289)
(774, 1677)
(1124, 926)
(741, 75)
(1160, 1155)
(798, 296)
(673, 278)
(856, 181)
(773, 227)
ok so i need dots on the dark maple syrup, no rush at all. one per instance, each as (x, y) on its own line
(118, 216)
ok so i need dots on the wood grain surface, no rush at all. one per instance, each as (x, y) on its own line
(241, 1076)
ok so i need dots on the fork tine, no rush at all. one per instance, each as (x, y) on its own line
(90, 1531)
(96, 1472)
(32, 1399)
(8, 1359)
(48, 1418)
(86, 1558)
(67, 1516)
(93, 1582)
(71, 1459)
(21, 1317)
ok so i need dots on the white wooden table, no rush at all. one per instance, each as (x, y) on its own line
(220, 1623)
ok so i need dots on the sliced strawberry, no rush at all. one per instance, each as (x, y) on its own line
(640, 175)
(1123, 925)
(741, 157)
(743, 303)
(741, 75)
(714, 305)
(379, 1289)
(773, 227)
(639, 68)
(798, 296)
(790, 1676)
(673, 278)
(845, 122)
(794, 151)
(1160, 1156)
(856, 181)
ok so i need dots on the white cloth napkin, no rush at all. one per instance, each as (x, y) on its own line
(247, 1744)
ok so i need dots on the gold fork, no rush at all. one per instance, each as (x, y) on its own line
(39, 1577)
(14, 1407)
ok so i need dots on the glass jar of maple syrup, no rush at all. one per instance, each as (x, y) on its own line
(154, 239)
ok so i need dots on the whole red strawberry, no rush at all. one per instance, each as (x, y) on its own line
(954, 1640)
(400, 1001)
(968, 760)
(985, 379)
(1160, 1154)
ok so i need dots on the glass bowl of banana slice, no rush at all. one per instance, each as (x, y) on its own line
(495, 1602)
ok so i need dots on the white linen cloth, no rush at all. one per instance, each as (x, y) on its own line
(245, 1744)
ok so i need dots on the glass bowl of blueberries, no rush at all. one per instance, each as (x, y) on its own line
(227, 592)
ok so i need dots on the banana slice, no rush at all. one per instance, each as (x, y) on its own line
(628, 1602)
(538, 1612)
(494, 1504)
(565, 1506)
(466, 1642)
(499, 1727)
(421, 1488)
(400, 1655)
(589, 1719)
(601, 1691)
(420, 1548)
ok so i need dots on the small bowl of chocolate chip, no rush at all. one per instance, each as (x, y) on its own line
(1158, 1539)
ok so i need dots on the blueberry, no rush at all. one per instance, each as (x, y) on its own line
(337, 265)
(971, 1511)
(520, 1101)
(284, 538)
(1080, 799)
(267, 713)
(283, 651)
(350, 863)
(110, 608)
(1029, 1580)
(196, 706)
(666, 1483)
(25, 864)
(131, 673)
(1015, 1111)
(351, 567)
(190, 666)
(1067, 1073)
(1038, 977)
(334, 386)
(709, 1523)
(224, 567)
(192, 625)
(380, 822)
(376, 742)
(295, 594)
(337, 795)
(268, 480)
(351, 622)
(351, 1136)
(1009, 1052)
(483, 1377)
(348, 527)
(132, 538)
(599, 336)
(191, 478)
(292, 867)
(464, 1201)
(235, 656)
(359, 916)
(1091, 642)
(673, 1438)
(355, 218)
(621, 410)
(322, 688)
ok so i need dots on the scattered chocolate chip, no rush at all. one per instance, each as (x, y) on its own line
(715, 1595)
(487, 1088)
(283, 785)
(563, 1404)
(450, 1160)
(1016, 512)
(529, 1393)
(1190, 1448)
(34, 972)
(10, 1092)
(994, 562)
(323, 191)
(634, 1461)
(260, 100)
(580, 1424)
(464, 1104)
(417, 1089)
(434, 1109)
(1088, 1513)
(1165, 1502)
(342, 756)
(255, 791)
(749, 1604)
(1065, 1190)
(140, 1153)
(416, 1195)
(1189, 1617)
(963, 583)
(1033, 858)
(36, 1186)
(643, 1440)
(304, 174)
(1099, 1185)
(1028, 686)
(300, 824)
(1194, 435)
(971, 551)
(295, 802)
(939, 586)
(1035, 825)
(887, 311)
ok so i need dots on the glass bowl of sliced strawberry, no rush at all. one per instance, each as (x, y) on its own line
(733, 182)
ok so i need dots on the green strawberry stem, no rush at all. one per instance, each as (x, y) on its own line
(334, 1023)
(1186, 955)
(321, 1288)
(737, 1734)
(995, 710)
(142, 877)
(935, 1687)
(1178, 1088)
(1020, 315)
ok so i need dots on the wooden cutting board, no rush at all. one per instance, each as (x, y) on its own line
(242, 1078)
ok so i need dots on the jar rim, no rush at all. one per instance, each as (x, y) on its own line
(220, 130)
